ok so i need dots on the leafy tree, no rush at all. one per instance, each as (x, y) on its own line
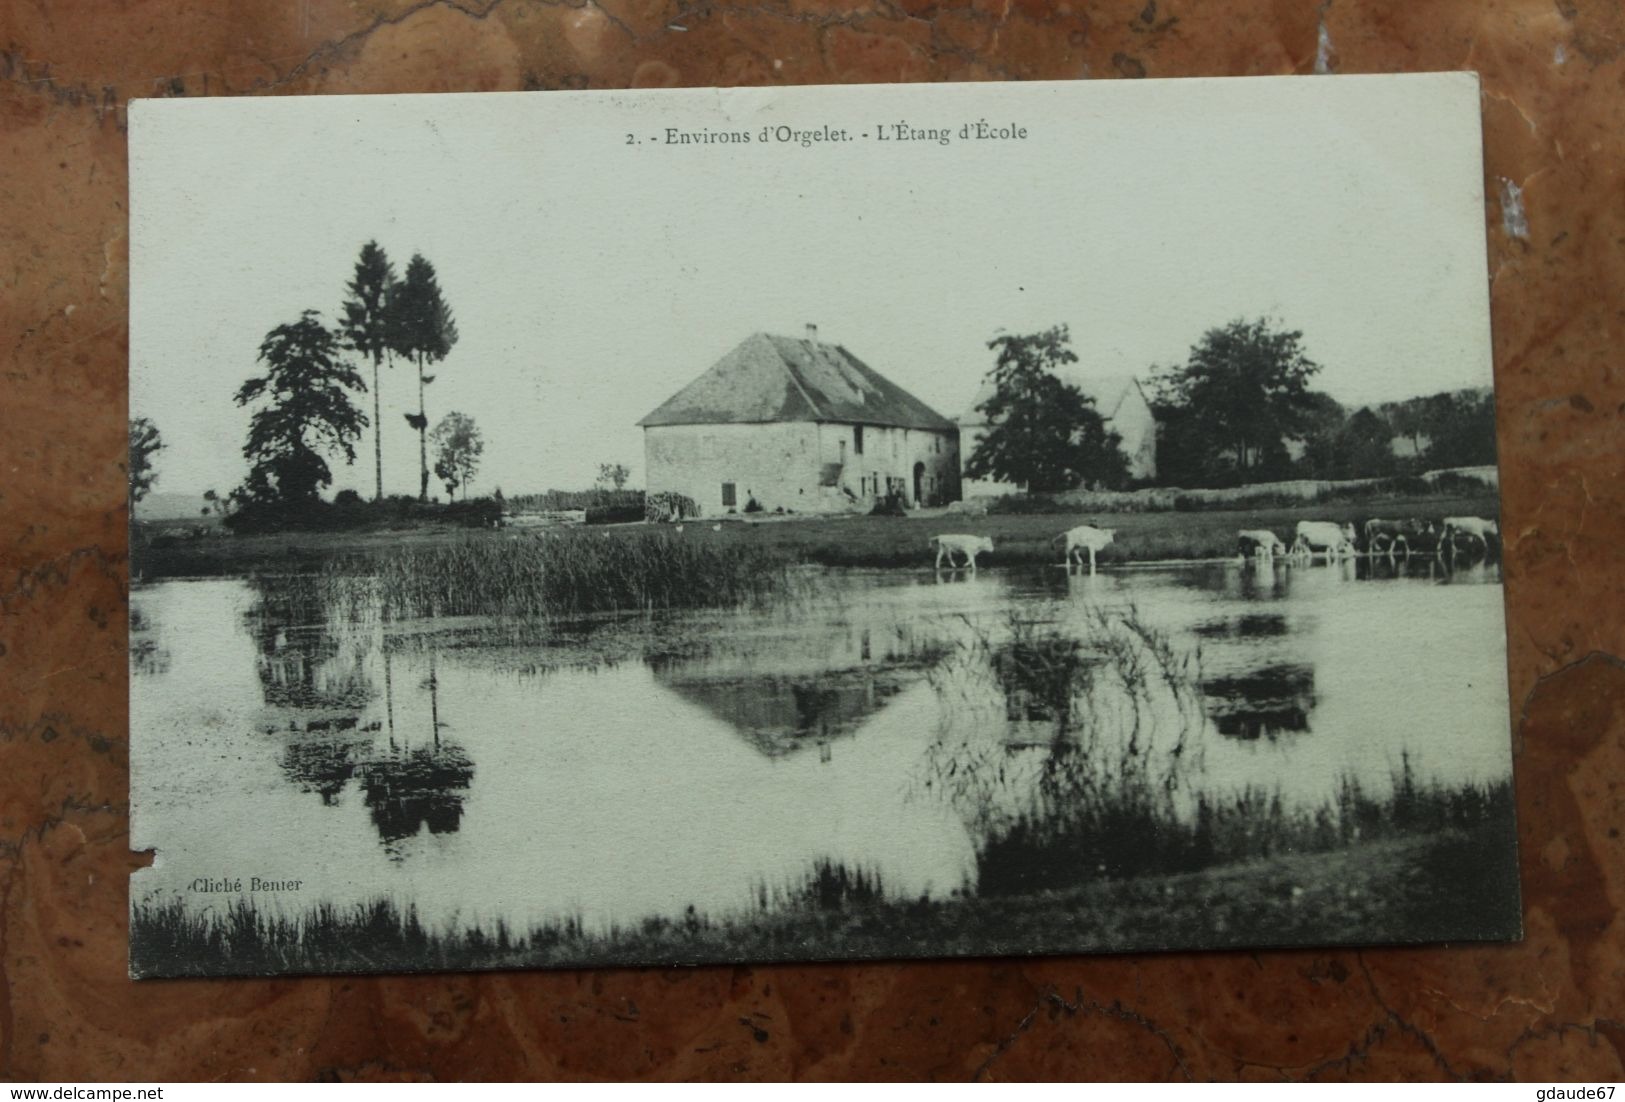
(219, 505)
(1409, 420)
(364, 327)
(1246, 388)
(1323, 422)
(458, 446)
(613, 475)
(1362, 447)
(1043, 432)
(423, 330)
(308, 413)
(1461, 427)
(145, 443)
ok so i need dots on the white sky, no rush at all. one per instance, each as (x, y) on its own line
(592, 279)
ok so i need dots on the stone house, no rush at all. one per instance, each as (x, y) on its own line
(1121, 403)
(800, 425)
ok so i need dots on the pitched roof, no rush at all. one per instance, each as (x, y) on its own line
(1108, 392)
(769, 378)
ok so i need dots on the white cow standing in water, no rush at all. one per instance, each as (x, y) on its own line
(1259, 543)
(1322, 536)
(967, 546)
(1476, 528)
(1085, 537)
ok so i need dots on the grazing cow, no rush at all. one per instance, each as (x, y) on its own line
(1394, 535)
(968, 546)
(1474, 528)
(1317, 536)
(1085, 537)
(1259, 543)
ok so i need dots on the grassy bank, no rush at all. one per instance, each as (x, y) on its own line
(1140, 537)
(845, 541)
(1455, 886)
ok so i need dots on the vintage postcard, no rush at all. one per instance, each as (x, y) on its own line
(813, 523)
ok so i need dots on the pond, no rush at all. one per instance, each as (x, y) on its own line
(610, 769)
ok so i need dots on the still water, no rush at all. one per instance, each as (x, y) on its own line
(615, 769)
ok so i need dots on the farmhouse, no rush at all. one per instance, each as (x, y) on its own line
(799, 425)
(1118, 399)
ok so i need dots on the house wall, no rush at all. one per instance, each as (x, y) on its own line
(781, 464)
(777, 463)
(888, 458)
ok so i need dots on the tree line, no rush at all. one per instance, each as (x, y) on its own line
(305, 402)
(1240, 409)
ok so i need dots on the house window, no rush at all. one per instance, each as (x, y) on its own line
(857, 439)
(730, 496)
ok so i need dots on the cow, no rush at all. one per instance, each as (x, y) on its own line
(1259, 543)
(1392, 535)
(1474, 528)
(1335, 540)
(1085, 537)
(948, 546)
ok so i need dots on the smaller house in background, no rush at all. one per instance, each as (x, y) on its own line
(800, 425)
(1121, 403)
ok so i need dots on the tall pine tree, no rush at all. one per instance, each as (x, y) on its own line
(423, 330)
(364, 328)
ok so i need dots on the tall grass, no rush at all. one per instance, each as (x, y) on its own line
(565, 573)
(1136, 830)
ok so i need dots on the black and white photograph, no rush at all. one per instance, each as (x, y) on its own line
(667, 527)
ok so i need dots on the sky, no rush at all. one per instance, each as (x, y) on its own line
(592, 278)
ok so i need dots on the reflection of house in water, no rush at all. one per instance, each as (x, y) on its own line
(1262, 703)
(781, 713)
(803, 687)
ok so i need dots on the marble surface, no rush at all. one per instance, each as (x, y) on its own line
(1552, 1007)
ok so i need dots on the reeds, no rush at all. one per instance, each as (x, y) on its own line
(1135, 830)
(565, 573)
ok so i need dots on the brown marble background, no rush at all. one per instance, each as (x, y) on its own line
(1550, 1008)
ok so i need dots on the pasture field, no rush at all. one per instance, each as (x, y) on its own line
(858, 541)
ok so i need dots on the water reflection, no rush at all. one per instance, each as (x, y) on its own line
(1265, 702)
(315, 665)
(635, 767)
(409, 790)
(786, 691)
(308, 657)
(148, 657)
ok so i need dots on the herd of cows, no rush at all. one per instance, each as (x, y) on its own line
(1397, 539)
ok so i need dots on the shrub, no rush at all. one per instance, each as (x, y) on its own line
(558, 501)
(1016, 504)
(353, 514)
(892, 505)
(669, 505)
